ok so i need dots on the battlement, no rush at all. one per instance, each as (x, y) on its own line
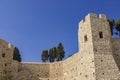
(93, 16)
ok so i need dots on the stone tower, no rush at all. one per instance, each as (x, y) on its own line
(97, 61)
(8, 67)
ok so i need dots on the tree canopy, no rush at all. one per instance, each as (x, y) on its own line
(118, 25)
(60, 52)
(114, 25)
(44, 56)
(54, 54)
(16, 55)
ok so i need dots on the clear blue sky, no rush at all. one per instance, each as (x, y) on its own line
(36, 25)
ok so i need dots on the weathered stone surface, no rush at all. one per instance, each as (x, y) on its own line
(98, 57)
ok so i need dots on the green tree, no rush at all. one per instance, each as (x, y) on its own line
(44, 55)
(118, 26)
(60, 52)
(51, 55)
(54, 54)
(16, 54)
(112, 24)
(54, 50)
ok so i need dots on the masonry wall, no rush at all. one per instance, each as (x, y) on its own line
(71, 67)
(87, 66)
(56, 71)
(44, 71)
(116, 50)
(37, 69)
(8, 67)
(105, 66)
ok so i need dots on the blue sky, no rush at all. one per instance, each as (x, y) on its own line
(36, 25)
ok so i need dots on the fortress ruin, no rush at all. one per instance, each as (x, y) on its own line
(98, 57)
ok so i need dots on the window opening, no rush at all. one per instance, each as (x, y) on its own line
(101, 34)
(85, 38)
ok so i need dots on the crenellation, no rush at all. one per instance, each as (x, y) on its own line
(102, 16)
(91, 15)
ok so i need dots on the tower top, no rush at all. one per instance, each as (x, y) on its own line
(94, 16)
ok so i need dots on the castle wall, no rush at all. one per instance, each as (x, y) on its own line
(116, 50)
(86, 66)
(8, 66)
(63, 70)
(39, 70)
(56, 71)
(105, 66)
(71, 67)
(45, 71)
(98, 57)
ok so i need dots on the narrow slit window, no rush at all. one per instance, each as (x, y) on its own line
(101, 34)
(85, 38)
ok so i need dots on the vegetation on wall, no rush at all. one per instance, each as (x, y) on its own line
(54, 54)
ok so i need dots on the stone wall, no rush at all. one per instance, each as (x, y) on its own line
(39, 70)
(105, 66)
(56, 71)
(116, 51)
(71, 67)
(45, 71)
(8, 67)
(87, 66)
